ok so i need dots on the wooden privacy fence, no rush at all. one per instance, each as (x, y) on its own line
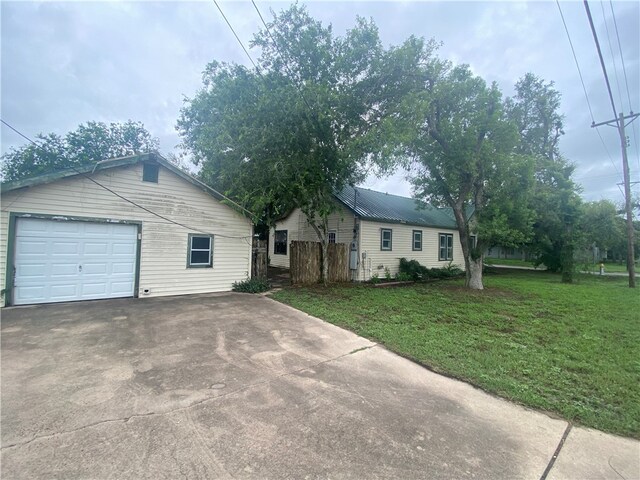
(305, 262)
(259, 259)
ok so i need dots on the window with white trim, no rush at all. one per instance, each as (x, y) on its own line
(416, 243)
(446, 246)
(385, 238)
(200, 253)
(333, 236)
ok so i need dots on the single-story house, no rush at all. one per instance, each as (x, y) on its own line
(126, 227)
(381, 228)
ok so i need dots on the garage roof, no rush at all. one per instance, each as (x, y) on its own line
(113, 163)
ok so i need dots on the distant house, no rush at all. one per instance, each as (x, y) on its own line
(499, 251)
(127, 227)
(381, 229)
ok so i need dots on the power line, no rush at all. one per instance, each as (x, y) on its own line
(286, 66)
(604, 68)
(584, 88)
(624, 68)
(613, 57)
(236, 35)
(128, 200)
(19, 133)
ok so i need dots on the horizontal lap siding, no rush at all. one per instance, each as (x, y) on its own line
(164, 244)
(290, 224)
(402, 247)
(299, 229)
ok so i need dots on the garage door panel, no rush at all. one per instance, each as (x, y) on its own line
(121, 288)
(94, 248)
(126, 268)
(65, 291)
(63, 269)
(124, 249)
(94, 289)
(71, 260)
(30, 294)
(34, 270)
(65, 228)
(64, 248)
(99, 229)
(31, 247)
(95, 269)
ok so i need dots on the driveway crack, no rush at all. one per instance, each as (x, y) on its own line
(557, 452)
(187, 407)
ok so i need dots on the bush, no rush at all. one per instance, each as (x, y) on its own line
(375, 279)
(413, 269)
(403, 277)
(251, 285)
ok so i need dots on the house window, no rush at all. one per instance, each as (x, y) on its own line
(385, 239)
(473, 241)
(200, 254)
(333, 236)
(150, 172)
(446, 246)
(417, 241)
(280, 242)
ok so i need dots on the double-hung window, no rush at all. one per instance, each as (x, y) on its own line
(446, 246)
(385, 239)
(280, 242)
(416, 243)
(200, 254)
(333, 236)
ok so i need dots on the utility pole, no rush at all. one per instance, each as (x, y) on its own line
(619, 121)
(620, 124)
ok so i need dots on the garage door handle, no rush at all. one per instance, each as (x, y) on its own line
(80, 268)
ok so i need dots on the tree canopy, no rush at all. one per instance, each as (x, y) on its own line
(461, 153)
(555, 198)
(307, 122)
(87, 144)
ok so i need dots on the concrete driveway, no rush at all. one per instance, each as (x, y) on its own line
(240, 386)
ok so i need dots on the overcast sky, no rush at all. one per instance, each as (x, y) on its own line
(67, 63)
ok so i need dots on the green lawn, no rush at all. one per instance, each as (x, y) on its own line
(569, 349)
(512, 262)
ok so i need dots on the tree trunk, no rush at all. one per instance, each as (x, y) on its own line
(325, 261)
(474, 275)
(472, 267)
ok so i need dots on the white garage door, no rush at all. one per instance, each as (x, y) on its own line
(61, 261)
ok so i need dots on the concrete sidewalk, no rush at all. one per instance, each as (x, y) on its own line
(240, 386)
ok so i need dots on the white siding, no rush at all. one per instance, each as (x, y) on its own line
(164, 244)
(377, 260)
(290, 224)
(298, 228)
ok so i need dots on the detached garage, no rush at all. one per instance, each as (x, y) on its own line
(128, 227)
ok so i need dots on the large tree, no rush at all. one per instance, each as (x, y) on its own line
(461, 154)
(303, 124)
(87, 144)
(535, 110)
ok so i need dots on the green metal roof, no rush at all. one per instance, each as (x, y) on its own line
(384, 207)
(118, 162)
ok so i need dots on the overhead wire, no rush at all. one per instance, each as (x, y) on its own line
(613, 57)
(626, 82)
(122, 197)
(584, 89)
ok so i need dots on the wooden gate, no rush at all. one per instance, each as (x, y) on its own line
(259, 259)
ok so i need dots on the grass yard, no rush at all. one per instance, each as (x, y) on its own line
(511, 262)
(569, 349)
